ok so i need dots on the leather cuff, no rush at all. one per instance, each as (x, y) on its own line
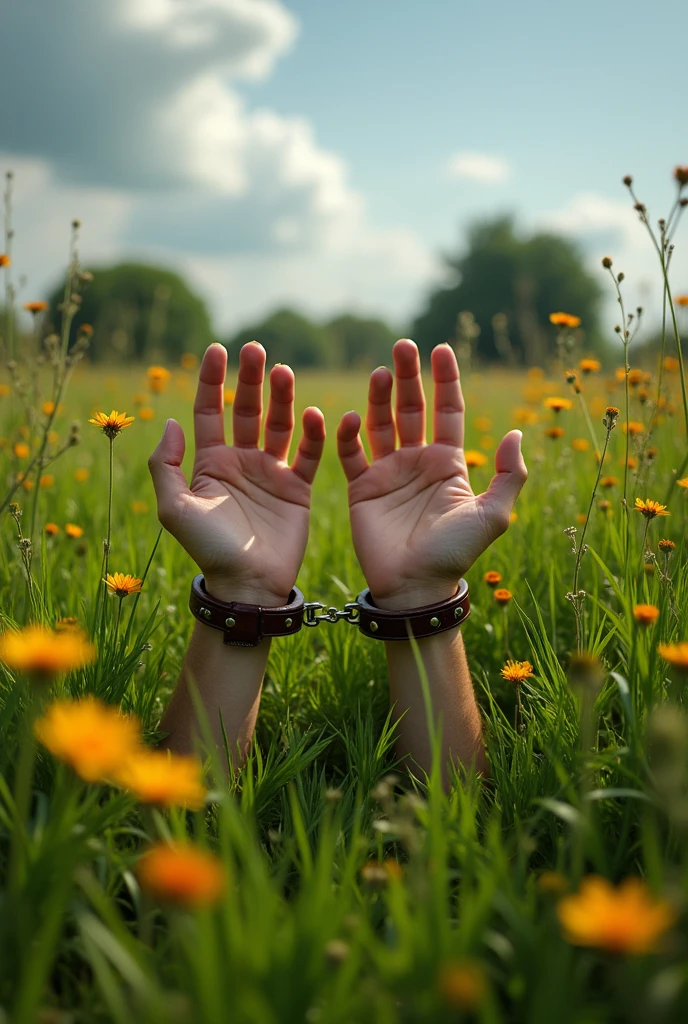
(384, 624)
(245, 625)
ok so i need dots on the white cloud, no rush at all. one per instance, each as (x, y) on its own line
(491, 170)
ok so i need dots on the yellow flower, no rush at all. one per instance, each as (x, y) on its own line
(557, 404)
(146, 413)
(482, 423)
(683, 482)
(94, 738)
(35, 307)
(590, 365)
(5, 390)
(645, 614)
(46, 480)
(21, 450)
(39, 650)
(492, 578)
(564, 320)
(121, 585)
(635, 377)
(462, 984)
(139, 508)
(675, 654)
(633, 427)
(48, 408)
(157, 777)
(681, 300)
(623, 919)
(671, 363)
(5, 261)
(182, 874)
(580, 444)
(487, 442)
(72, 530)
(502, 595)
(517, 671)
(158, 376)
(53, 436)
(650, 508)
(474, 459)
(525, 416)
(51, 529)
(113, 424)
(229, 394)
(609, 481)
(555, 432)
(81, 474)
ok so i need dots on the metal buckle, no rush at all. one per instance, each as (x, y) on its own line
(313, 614)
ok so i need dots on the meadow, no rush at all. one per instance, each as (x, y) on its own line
(323, 883)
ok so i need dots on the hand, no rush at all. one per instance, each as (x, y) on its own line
(244, 519)
(417, 526)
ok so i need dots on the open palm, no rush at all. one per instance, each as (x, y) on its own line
(417, 525)
(244, 517)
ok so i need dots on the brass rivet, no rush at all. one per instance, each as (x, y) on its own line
(230, 622)
(374, 627)
(206, 613)
(288, 622)
(458, 612)
(434, 621)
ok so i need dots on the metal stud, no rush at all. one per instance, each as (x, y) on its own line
(434, 621)
(458, 612)
(374, 627)
(288, 622)
(206, 613)
(230, 622)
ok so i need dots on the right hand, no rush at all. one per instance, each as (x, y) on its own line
(244, 517)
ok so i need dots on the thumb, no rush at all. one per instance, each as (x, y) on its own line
(505, 486)
(165, 468)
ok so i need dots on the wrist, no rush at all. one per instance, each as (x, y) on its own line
(227, 589)
(415, 596)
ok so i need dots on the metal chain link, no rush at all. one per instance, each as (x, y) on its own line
(349, 613)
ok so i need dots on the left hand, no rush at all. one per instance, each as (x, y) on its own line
(417, 526)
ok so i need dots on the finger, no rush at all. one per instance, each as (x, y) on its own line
(448, 412)
(505, 486)
(349, 447)
(165, 469)
(379, 422)
(209, 422)
(309, 452)
(247, 410)
(279, 422)
(410, 404)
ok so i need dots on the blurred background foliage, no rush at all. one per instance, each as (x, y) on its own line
(493, 308)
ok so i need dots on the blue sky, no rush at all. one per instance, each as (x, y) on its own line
(322, 153)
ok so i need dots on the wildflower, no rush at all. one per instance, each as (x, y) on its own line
(5, 390)
(183, 874)
(81, 474)
(581, 518)
(462, 984)
(158, 376)
(113, 424)
(609, 481)
(474, 459)
(51, 529)
(5, 261)
(645, 614)
(157, 777)
(35, 307)
(580, 444)
(650, 508)
(681, 175)
(607, 262)
(666, 545)
(564, 320)
(39, 650)
(46, 480)
(22, 450)
(623, 919)
(635, 377)
(229, 396)
(94, 738)
(482, 423)
(189, 361)
(632, 462)
(556, 404)
(590, 365)
(69, 623)
(555, 432)
(552, 883)
(517, 672)
(146, 413)
(48, 408)
(492, 578)
(513, 516)
(683, 482)
(526, 416)
(72, 530)
(122, 585)
(502, 596)
(26, 484)
(633, 428)
(671, 363)
(53, 437)
(675, 654)
(139, 508)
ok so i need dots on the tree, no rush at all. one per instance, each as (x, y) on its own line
(510, 285)
(360, 343)
(139, 312)
(288, 337)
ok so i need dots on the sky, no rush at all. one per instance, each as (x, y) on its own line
(325, 154)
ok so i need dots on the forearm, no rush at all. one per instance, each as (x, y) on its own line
(454, 707)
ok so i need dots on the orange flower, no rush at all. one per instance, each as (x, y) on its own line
(46, 480)
(5, 390)
(122, 585)
(671, 364)
(646, 614)
(556, 404)
(81, 474)
(51, 529)
(146, 413)
(590, 365)
(139, 508)
(482, 423)
(635, 377)
(681, 300)
(666, 545)
(189, 361)
(38, 650)
(229, 396)
(525, 416)
(48, 408)
(633, 428)
(72, 530)
(623, 919)
(158, 376)
(683, 482)
(113, 424)
(94, 738)
(564, 320)
(462, 984)
(609, 481)
(502, 596)
(580, 444)
(555, 432)
(21, 450)
(474, 459)
(650, 508)
(158, 777)
(183, 874)
(5, 261)
(517, 672)
(675, 654)
(492, 578)
(35, 307)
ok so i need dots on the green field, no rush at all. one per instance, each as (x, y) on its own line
(351, 896)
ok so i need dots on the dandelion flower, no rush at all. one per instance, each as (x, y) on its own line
(74, 531)
(623, 919)
(39, 650)
(492, 578)
(51, 529)
(554, 433)
(564, 320)
(590, 365)
(94, 738)
(517, 672)
(475, 459)
(22, 450)
(121, 585)
(683, 482)
(675, 654)
(183, 874)
(35, 307)
(462, 984)
(157, 777)
(502, 595)
(646, 614)
(113, 424)
(556, 404)
(650, 508)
